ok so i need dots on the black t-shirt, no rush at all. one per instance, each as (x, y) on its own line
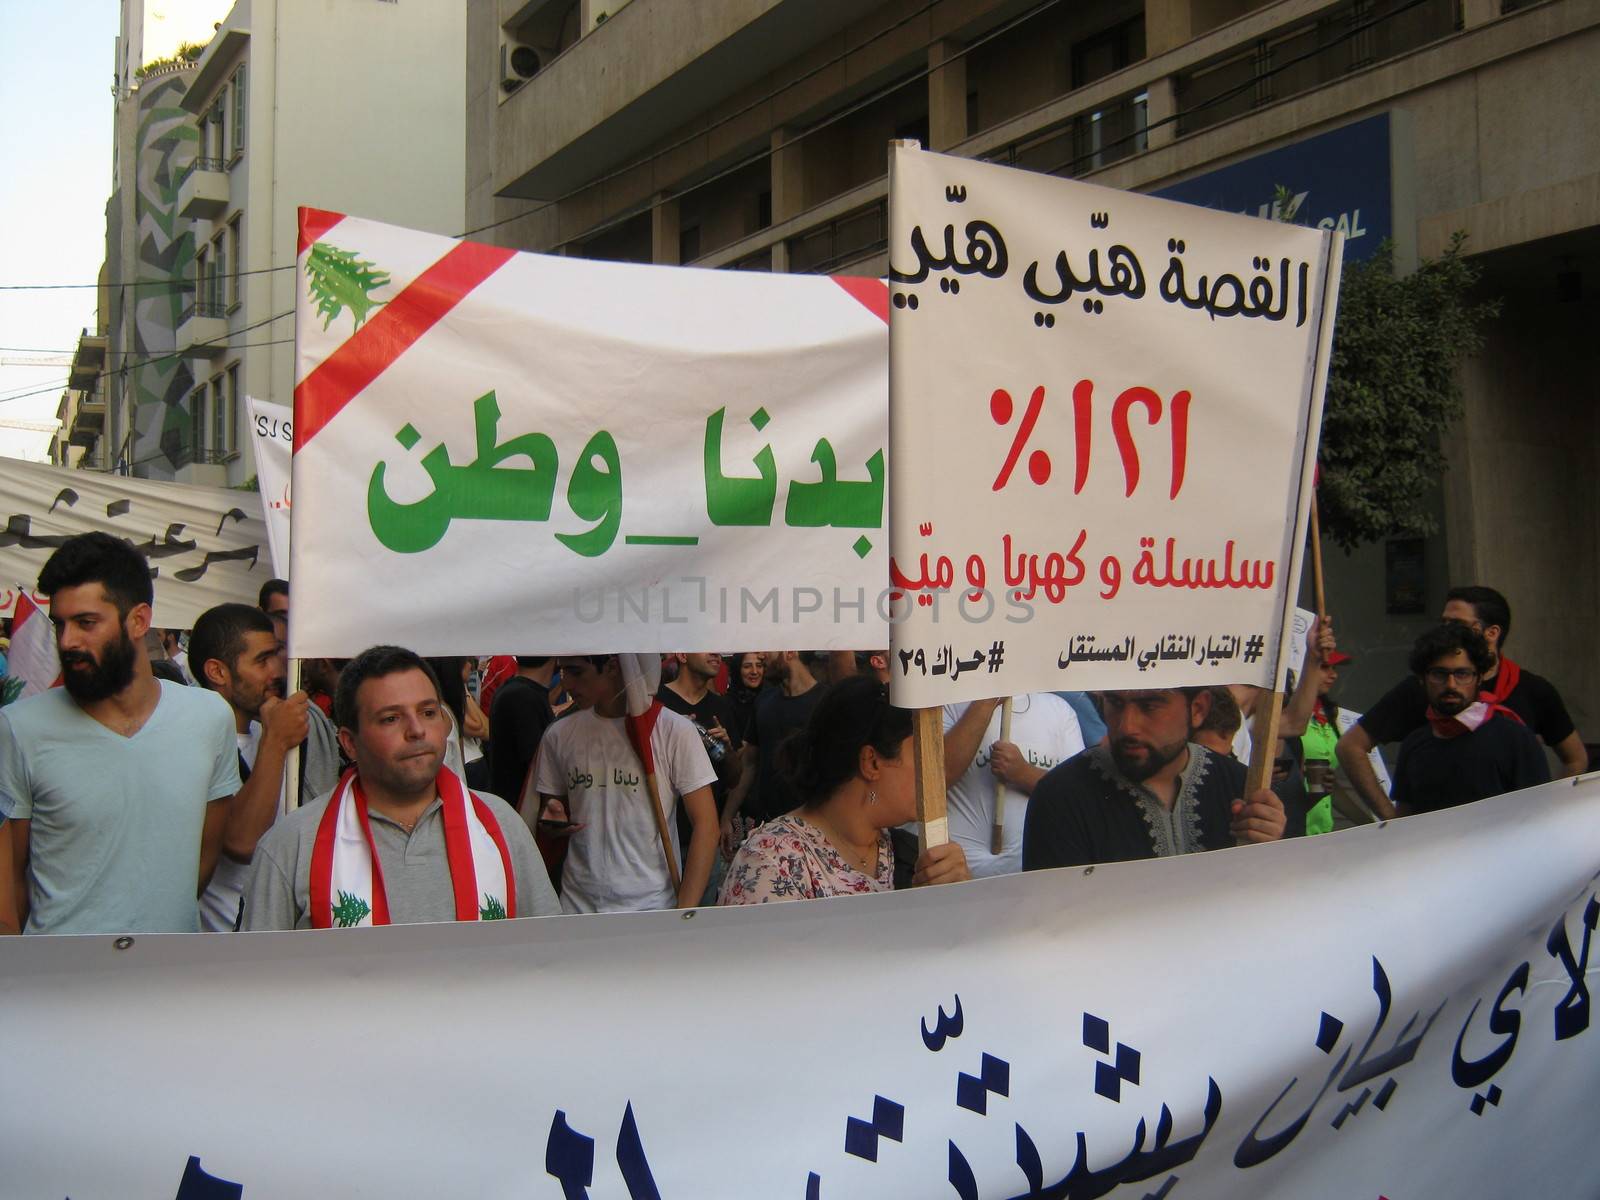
(1434, 772)
(778, 715)
(1081, 814)
(517, 720)
(1404, 708)
(711, 709)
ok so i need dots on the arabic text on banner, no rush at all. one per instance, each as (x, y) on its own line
(272, 434)
(1099, 414)
(206, 546)
(597, 456)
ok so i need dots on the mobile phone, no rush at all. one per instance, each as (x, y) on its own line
(547, 824)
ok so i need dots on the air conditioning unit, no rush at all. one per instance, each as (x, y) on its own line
(519, 62)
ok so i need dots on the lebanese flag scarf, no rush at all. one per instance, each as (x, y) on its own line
(347, 878)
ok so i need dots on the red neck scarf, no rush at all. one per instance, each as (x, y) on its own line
(1505, 682)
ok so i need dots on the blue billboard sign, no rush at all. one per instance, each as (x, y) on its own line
(1342, 179)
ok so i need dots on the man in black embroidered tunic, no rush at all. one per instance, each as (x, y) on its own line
(1148, 791)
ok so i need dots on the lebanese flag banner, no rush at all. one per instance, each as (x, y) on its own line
(32, 657)
(1277, 1022)
(597, 457)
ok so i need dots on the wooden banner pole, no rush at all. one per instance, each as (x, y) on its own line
(291, 761)
(927, 742)
(1316, 566)
(654, 787)
(997, 832)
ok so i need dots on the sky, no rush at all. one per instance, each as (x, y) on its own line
(56, 70)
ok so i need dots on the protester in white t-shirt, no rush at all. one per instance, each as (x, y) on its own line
(587, 770)
(1044, 732)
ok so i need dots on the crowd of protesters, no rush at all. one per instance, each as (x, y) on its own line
(151, 792)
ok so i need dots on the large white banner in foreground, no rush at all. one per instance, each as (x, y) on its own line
(206, 546)
(1397, 1011)
(571, 456)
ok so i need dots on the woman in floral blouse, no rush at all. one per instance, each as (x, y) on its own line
(852, 763)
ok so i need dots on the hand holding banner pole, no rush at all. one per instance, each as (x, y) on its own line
(997, 833)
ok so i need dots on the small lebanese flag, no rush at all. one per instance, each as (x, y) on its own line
(32, 657)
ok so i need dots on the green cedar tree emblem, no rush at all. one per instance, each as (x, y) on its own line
(492, 909)
(338, 279)
(350, 910)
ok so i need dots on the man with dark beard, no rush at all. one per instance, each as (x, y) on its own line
(1473, 746)
(112, 786)
(1148, 791)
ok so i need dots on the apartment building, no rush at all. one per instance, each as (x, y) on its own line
(355, 106)
(751, 135)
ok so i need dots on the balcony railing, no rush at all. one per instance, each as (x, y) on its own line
(202, 308)
(1082, 143)
(1340, 39)
(850, 238)
(202, 163)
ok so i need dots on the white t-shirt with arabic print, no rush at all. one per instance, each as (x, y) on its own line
(1045, 729)
(615, 862)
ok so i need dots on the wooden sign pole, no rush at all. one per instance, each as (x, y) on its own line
(997, 832)
(927, 743)
(291, 761)
(1316, 566)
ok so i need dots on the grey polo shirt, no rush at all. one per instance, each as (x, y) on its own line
(416, 872)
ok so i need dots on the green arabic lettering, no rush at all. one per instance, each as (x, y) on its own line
(595, 495)
(736, 499)
(840, 504)
(481, 490)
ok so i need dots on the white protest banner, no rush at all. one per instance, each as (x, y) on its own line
(580, 456)
(272, 436)
(1395, 1011)
(1101, 413)
(206, 546)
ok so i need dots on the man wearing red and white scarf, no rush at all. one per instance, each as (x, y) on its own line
(1472, 746)
(1403, 708)
(400, 839)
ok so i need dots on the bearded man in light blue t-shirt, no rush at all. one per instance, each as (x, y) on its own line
(114, 786)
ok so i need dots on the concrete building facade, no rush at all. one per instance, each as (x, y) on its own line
(751, 135)
(355, 107)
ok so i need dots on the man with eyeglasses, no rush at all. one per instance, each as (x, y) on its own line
(1402, 709)
(1472, 746)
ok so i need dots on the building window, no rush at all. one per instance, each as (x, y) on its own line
(238, 112)
(220, 282)
(197, 424)
(222, 425)
(235, 292)
(202, 279)
(236, 244)
(216, 133)
(689, 244)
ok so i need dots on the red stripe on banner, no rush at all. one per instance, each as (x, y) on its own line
(872, 293)
(314, 222)
(322, 861)
(486, 815)
(457, 844)
(374, 347)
